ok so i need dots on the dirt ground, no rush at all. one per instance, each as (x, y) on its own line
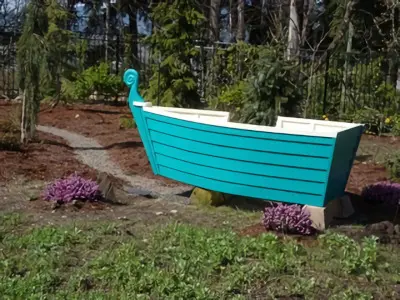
(46, 159)
(102, 122)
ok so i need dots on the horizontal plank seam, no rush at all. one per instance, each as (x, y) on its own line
(273, 152)
(241, 160)
(254, 186)
(228, 170)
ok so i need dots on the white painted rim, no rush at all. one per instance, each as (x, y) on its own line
(221, 119)
(142, 104)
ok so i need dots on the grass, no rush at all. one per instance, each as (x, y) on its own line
(121, 260)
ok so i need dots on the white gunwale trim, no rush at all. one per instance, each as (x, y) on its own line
(142, 104)
(221, 119)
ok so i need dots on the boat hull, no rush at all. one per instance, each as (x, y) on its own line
(301, 169)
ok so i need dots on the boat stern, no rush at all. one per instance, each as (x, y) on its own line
(346, 146)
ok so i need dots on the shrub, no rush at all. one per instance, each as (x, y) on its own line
(271, 89)
(126, 122)
(10, 130)
(9, 142)
(72, 188)
(384, 192)
(96, 79)
(288, 219)
(394, 122)
(234, 95)
(373, 119)
(392, 164)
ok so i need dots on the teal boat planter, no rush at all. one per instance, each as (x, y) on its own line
(300, 161)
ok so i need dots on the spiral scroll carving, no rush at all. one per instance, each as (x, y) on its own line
(131, 77)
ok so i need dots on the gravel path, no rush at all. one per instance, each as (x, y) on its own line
(91, 153)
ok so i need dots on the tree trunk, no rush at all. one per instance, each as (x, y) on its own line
(240, 22)
(293, 37)
(230, 19)
(308, 7)
(349, 48)
(264, 11)
(107, 30)
(133, 31)
(23, 118)
(33, 110)
(393, 56)
(341, 31)
(214, 20)
(397, 81)
(240, 35)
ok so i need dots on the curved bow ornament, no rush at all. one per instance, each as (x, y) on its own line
(131, 79)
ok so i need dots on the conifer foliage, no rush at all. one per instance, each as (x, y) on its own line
(173, 81)
(42, 55)
(31, 47)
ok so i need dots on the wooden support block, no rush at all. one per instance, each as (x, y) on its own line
(323, 216)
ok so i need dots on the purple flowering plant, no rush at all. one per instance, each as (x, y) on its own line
(288, 219)
(74, 187)
(382, 192)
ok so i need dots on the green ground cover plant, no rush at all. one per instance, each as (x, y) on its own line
(178, 261)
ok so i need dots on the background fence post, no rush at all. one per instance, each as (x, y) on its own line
(158, 81)
(117, 60)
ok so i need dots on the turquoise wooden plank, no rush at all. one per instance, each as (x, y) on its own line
(343, 157)
(242, 166)
(240, 154)
(244, 178)
(238, 189)
(241, 132)
(242, 142)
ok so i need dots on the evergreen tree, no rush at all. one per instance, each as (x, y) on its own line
(30, 57)
(176, 27)
(59, 47)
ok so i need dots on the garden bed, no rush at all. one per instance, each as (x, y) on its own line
(102, 122)
(46, 158)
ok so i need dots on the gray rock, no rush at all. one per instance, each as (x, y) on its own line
(381, 227)
(106, 187)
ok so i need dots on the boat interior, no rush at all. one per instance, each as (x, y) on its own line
(285, 125)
